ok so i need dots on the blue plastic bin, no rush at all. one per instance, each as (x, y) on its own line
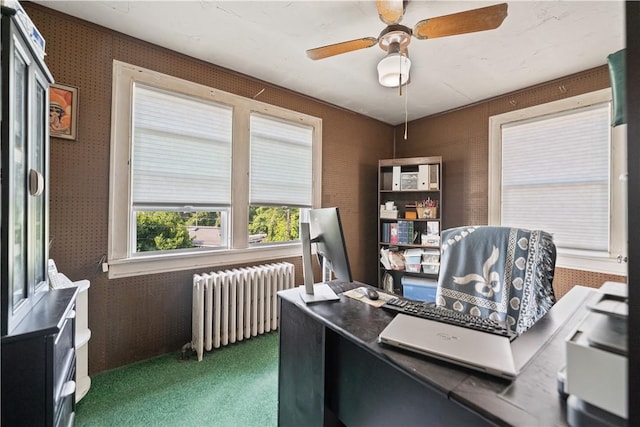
(419, 289)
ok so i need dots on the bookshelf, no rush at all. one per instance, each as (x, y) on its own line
(409, 220)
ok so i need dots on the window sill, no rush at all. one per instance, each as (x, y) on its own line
(153, 264)
(604, 265)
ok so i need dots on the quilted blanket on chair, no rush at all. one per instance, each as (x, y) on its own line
(502, 273)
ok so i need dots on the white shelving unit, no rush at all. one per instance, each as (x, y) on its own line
(83, 335)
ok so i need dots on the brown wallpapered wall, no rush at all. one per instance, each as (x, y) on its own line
(465, 150)
(136, 318)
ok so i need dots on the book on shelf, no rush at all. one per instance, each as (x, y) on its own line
(405, 232)
(402, 232)
(393, 233)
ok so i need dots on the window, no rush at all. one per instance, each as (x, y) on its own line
(203, 178)
(560, 167)
(280, 178)
(180, 171)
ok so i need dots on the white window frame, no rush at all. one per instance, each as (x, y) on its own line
(609, 263)
(121, 262)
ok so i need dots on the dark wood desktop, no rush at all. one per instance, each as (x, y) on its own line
(333, 372)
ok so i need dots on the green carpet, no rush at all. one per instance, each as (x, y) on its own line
(236, 385)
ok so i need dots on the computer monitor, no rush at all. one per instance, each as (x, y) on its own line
(325, 231)
(325, 228)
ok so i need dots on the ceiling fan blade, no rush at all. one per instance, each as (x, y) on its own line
(390, 11)
(470, 21)
(338, 48)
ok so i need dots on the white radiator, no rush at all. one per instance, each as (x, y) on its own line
(232, 305)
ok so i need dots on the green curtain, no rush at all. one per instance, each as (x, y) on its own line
(617, 71)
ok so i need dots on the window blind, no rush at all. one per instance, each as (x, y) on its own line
(555, 176)
(181, 150)
(281, 163)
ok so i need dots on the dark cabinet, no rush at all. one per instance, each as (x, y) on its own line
(24, 170)
(37, 324)
(38, 364)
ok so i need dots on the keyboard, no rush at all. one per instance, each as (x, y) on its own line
(428, 310)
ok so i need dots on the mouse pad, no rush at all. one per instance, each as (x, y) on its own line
(361, 295)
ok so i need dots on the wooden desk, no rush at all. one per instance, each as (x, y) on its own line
(333, 371)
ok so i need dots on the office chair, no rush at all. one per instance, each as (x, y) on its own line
(502, 273)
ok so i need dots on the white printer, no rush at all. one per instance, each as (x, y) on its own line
(596, 358)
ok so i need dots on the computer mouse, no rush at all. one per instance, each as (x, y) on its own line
(372, 294)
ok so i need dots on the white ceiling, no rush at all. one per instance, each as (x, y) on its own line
(538, 41)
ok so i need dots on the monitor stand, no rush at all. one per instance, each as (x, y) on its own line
(321, 292)
(311, 292)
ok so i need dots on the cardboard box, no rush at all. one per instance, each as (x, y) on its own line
(388, 214)
(428, 240)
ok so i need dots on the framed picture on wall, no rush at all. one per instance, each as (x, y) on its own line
(63, 111)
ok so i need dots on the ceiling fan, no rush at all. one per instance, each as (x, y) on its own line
(393, 69)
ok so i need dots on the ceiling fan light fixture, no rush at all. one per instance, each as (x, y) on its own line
(393, 70)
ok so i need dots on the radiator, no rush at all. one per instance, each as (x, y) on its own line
(233, 305)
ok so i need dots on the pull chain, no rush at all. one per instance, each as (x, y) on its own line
(406, 112)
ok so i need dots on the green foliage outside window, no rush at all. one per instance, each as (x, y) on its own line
(160, 231)
(203, 219)
(279, 224)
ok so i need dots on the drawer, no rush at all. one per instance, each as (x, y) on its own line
(64, 403)
(63, 356)
(66, 412)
